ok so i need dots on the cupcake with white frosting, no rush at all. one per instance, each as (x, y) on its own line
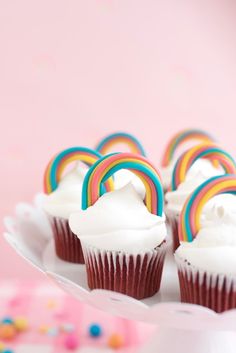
(123, 240)
(193, 168)
(180, 142)
(206, 258)
(64, 197)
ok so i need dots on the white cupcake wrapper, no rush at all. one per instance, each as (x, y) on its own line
(173, 223)
(138, 276)
(67, 244)
(213, 290)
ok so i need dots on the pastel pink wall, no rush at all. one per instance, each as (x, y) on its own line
(72, 71)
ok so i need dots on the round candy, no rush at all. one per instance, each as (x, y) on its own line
(68, 328)
(43, 329)
(2, 346)
(71, 342)
(7, 351)
(52, 331)
(7, 331)
(7, 320)
(115, 341)
(95, 330)
(21, 324)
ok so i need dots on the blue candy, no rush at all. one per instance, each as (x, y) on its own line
(95, 330)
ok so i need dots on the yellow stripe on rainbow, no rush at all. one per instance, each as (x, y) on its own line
(56, 167)
(181, 138)
(110, 164)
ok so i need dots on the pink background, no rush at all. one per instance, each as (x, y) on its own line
(72, 71)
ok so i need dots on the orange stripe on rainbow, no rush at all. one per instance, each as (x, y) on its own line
(110, 164)
(180, 138)
(189, 223)
(106, 145)
(57, 165)
(188, 158)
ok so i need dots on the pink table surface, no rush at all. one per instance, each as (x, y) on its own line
(42, 303)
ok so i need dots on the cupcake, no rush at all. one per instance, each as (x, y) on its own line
(64, 197)
(123, 240)
(206, 258)
(112, 143)
(187, 138)
(191, 170)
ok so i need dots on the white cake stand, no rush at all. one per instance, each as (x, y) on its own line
(181, 328)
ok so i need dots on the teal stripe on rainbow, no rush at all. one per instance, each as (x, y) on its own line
(188, 158)
(108, 165)
(189, 222)
(58, 163)
(108, 142)
(182, 137)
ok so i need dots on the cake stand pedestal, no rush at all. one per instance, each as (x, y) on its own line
(185, 341)
(181, 328)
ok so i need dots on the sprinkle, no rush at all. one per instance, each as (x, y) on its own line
(95, 330)
(68, 327)
(7, 331)
(21, 324)
(53, 331)
(71, 342)
(43, 329)
(115, 341)
(7, 320)
(51, 304)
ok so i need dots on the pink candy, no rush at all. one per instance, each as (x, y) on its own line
(71, 342)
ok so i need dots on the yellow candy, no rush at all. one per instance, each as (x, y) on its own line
(51, 304)
(2, 346)
(43, 329)
(21, 324)
(115, 341)
(7, 332)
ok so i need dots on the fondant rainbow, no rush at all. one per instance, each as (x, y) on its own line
(181, 138)
(189, 223)
(106, 144)
(108, 165)
(203, 150)
(57, 165)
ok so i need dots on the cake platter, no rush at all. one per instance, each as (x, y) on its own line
(180, 327)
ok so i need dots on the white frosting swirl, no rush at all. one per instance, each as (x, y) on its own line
(166, 174)
(119, 221)
(124, 177)
(67, 197)
(214, 247)
(199, 172)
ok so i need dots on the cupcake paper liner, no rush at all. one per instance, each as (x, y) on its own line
(67, 245)
(215, 291)
(138, 276)
(173, 224)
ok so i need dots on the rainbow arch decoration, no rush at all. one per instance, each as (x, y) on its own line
(106, 144)
(189, 223)
(203, 150)
(108, 165)
(180, 138)
(58, 163)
